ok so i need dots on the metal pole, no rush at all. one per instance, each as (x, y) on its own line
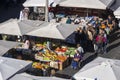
(46, 11)
(87, 12)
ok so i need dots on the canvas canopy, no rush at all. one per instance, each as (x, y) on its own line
(36, 3)
(15, 27)
(108, 3)
(6, 45)
(56, 2)
(117, 13)
(1, 78)
(100, 69)
(90, 4)
(54, 30)
(9, 67)
(25, 76)
(115, 5)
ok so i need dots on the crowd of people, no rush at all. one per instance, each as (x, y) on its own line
(94, 36)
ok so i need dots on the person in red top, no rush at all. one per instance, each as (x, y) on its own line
(99, 42)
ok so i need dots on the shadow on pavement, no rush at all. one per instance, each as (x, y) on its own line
(87, 60)
(114, 37)
(63, 76)
(113, 46)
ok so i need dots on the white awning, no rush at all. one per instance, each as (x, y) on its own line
(54, 30)
(117, 13)
(9, 67)
(100, 69)
(15, 27)
(37, 3)
(92, 4)
(6, 45)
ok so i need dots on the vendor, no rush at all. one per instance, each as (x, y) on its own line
(27, 44)
(27, 48)
(76, 59)
(49, 45)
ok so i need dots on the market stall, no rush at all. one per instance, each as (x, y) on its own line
(42, 55)
(42, 58)
(57, 57)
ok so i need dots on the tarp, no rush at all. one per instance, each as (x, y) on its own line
(9, 67)
(54, 30)
(100, 69)
(15, 27)
(6, 45)
(25, 76)
(36, 3)
(92, 4)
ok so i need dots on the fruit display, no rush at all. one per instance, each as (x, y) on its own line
(70, 51)
(39, 46)
(48, 55)
(61, 58)
(61, 49)
(39, 56)
(39, 65)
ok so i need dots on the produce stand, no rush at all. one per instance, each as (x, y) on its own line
(58, 58)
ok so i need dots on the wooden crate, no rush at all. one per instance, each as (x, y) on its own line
(62, 65)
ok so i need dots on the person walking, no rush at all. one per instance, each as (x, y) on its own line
(80, 49)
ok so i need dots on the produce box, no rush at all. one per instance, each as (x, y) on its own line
(70, 52)
(59, 64)
(64, 64)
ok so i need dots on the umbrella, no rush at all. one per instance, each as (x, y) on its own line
(54, 30)
(25, 76)
(100, 69)
(6, 45)
(90, 4)
(37, 3)
(15, 27)
(9, 67)
(117, 13)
